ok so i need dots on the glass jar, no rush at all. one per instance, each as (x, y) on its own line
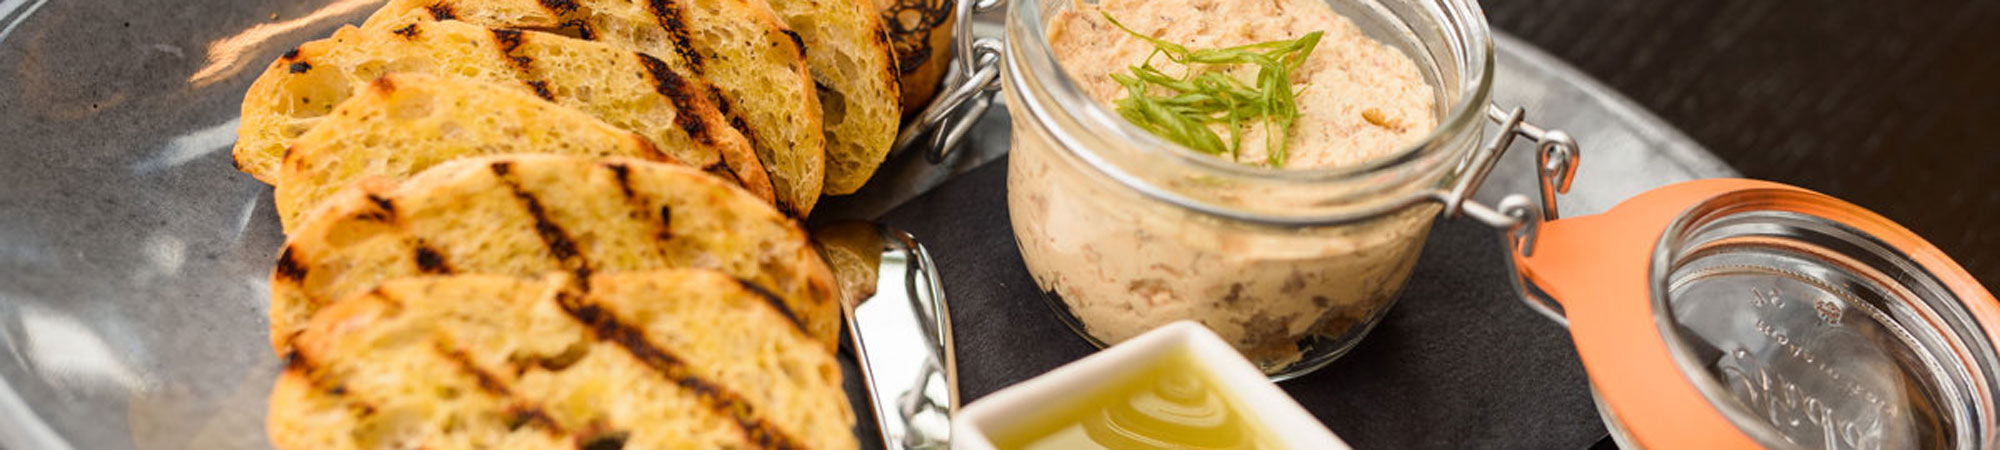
(1730, 313)
(1124, 231)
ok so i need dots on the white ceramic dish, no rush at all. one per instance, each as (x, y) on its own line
(1255, 396)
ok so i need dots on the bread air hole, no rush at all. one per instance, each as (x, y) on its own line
(314, 93)
(832, 106)
(645, 37)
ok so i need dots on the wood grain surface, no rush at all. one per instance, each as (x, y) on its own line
(1894, 106)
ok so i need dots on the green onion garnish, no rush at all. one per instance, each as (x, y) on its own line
(1199, 98)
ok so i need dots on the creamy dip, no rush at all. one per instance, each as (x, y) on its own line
(1358, 99)
(1123, 264)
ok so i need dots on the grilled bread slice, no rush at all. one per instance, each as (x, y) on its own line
(407, 122)
(759, 72)
(848, 50)
(921, 32)
(665, 359)
(628, 90)
(528, 214)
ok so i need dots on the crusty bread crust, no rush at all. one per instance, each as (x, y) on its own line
(921, 32)
(853, 251)
(658, 359)
(651, 99)
(404, 123)
(854, 66)
(740, 46)
(531, 214)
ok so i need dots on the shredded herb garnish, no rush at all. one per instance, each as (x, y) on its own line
(1199, 98)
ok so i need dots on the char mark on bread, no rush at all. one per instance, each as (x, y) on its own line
(486, 381)
(603, 441)
(295, 361)
(385, 204)
(560, 7)
(671, 85)
(558, 241)
(520, 412)
(519, 417)
(384, 210)
(580, 29)
(510, 41)
(728, 110)
(742, 126)
(912, 39)
(289, 268)
(895, 74)
(797, 41)
(771, 298)
(666, 222)
(429, 261)
(407, 31)
(606, 326)
(441, 11)
(582, 278)
(541, 88)
(674, 21)
(623, 174)
(720, 170)
(375, 216)
(299, 365)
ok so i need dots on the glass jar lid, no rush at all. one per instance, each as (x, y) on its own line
(1728, 313)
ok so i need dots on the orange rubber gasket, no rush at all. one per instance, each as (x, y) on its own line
(1597, 267)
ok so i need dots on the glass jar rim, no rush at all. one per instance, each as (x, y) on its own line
(1838, 240)
(1467, 38)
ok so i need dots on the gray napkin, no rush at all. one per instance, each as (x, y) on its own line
(1458, 363)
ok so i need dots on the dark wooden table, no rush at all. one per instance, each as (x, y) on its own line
(1893, 106)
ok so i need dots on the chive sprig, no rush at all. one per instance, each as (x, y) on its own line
(1182, 108)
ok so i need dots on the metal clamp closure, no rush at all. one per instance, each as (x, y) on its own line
(1556, 156)
(966, 93)
(1556, 159)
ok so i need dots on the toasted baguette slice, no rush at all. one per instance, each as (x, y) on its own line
(407, 122)
(853, 251)
(848, 49)
(628, 90)
(531, 214)
(666, 359)
(758, 71)
(921, 32)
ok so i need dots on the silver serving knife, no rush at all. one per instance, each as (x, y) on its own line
(900, 329)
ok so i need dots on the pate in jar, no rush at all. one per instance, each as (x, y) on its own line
(1288, 226)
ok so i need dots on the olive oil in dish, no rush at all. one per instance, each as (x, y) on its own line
(1173, 403)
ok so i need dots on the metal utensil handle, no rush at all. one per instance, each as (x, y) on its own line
(965, 94)
(1557, 158)
(921, 404)
(912, 389)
